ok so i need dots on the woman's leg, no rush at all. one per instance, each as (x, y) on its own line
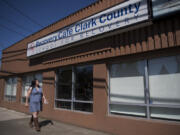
(36, 123)
(35, 114)
(31, 121)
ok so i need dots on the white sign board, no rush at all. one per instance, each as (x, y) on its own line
(124, 14)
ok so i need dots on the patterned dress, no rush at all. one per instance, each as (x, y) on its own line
(36, 100)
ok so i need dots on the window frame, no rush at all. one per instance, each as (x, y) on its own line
(147, 104)
(72, 100)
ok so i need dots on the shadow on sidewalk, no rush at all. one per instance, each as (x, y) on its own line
(45, 123)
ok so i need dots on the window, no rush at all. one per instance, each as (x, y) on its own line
(26, 83)
(148, 88)
(164, 87)
(83, 88)
(64, 88)
(10, 89)
(75, 88)
(127, 88)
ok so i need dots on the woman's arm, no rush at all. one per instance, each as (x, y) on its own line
(28, 94)
(44, 98)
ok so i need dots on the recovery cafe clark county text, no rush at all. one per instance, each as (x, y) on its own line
(92, 23)
(102, 22)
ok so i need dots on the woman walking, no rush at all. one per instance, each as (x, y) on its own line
(35, 94)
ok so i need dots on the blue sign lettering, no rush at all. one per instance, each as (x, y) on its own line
(84, 26)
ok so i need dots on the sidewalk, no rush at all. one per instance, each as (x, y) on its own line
(15, 123)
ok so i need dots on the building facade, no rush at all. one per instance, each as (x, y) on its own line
(113, 66)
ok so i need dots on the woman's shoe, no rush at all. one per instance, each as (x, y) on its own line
(36, 124)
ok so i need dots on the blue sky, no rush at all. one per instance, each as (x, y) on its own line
(14, 26)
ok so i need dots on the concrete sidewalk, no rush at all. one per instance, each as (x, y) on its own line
(15, 123)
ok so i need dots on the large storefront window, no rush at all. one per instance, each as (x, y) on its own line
(26, 83)
(10, 89)
(75, 88)
(148, 88)
(164, 87)
(127, 86)
(64, 88)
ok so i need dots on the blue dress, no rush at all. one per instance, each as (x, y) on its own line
(36, 100)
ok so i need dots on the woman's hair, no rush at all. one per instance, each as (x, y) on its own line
(33, 83)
